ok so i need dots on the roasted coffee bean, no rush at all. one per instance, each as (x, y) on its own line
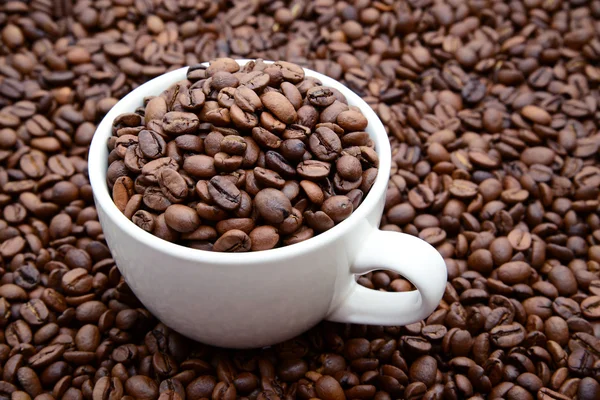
(34, 312)
(508, 335)
(349, 168)
(264, 237)
(265, 138)
(272, 205)
(268, 178)
(279, 164)
(200, 166)
(424, 369)
(588, 388)
(319, 220)
(338, 208)
(247, 99)
(514, 272)
(234, 145)
(280, 106)
(224, 193)
(180, 123)
(313, 169)
(172, 185)
(328, 388)
(155, 199)
(27, 276)
(151, 144)
(182, 218)
(320, 96)
(293, 149)
(325, 144)
(141, 387)
(233, 241)
(590, 307)
(108, 388)
(144, 220)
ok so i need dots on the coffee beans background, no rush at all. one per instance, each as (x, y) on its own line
(492, 113)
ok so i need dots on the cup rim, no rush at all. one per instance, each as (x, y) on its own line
(98, 164)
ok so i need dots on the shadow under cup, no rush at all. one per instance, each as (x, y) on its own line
(237, 299)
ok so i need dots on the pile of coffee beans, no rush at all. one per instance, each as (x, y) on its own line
(234, 160)
(491, 107)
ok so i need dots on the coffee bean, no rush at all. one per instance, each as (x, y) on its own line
(591, 307)
(34, 312)
(319, 221)
(233, 241)
(507, 335)
(588, 388)
(246, 99)
(351, 120)
(108, 388)
(313, 191)
(182, 218)
(151, 170)
(140, 387)
(580, 361)
(265, 138)
(424, 370)
(18, 332)
(155, 199)
(76, 282)
(180, 123)
(313, 169)
(122, 191)
(349, 168)
(144, 220)
(338, 208)
(172, 185)
(151, 144)
(536, 114)
(224, 193)
(280, 106)
(320, 96)
(264, 238)
(268, 178)
(200, 166)
(233, 145)
(272, 205)
(547, 394)
(46, 356)
(279, 164)
(27, 276)
(564, 281)
(90, 312)
(463, 189)
(30, 382)
(201, 387)
(514, 272)
(329, 389)
(325, 144)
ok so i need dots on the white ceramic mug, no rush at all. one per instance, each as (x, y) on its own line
(242, 300)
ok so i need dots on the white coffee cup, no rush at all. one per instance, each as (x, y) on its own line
(242, 300)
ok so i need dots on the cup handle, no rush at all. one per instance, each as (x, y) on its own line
(413, 258)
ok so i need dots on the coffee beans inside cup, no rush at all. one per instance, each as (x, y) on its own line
(237, 159)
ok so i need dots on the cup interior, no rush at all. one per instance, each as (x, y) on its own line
(98, 164)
